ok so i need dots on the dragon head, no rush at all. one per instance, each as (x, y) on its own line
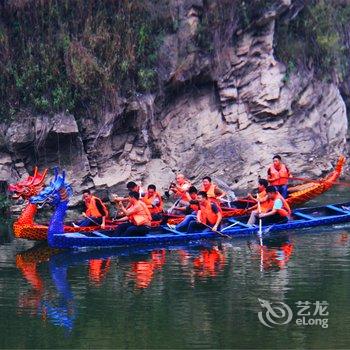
(56, 192)
(28, 187)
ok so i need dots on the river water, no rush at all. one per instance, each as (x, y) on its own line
(219, 294)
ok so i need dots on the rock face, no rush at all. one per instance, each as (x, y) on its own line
(224, 114)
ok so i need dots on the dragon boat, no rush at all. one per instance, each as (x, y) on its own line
(57, 194)
(25, 226)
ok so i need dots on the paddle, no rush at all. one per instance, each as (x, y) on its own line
(174, 205)
(259, 211)
(218, 232)
(230, 226)
(92, 220)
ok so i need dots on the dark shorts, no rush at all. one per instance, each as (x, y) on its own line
(128, 230)
(274, 219)
(157, 217)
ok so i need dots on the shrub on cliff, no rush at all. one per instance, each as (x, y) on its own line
(315, 38)
(76, 54)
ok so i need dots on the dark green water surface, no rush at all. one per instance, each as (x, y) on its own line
(204, 295)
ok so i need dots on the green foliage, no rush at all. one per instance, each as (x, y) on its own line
(75, 55)
(314, 38)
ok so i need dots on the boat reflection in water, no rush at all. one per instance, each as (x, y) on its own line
(57, 307)
(273, 254)
(136, 268)
(142, 271)
(98, 269)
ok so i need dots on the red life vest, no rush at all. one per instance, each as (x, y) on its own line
(149, 200)
(92, 208)
(207, 214)
(281, 176)
(285, 210)
(142, 216)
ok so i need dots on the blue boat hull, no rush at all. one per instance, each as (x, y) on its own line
(302, 218)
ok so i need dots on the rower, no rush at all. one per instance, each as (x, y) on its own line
(133, 187)
(96, 211)
(154, 202)
(278, 175)
(180, 190)
(190, 210)
(193, 204)
(138, 217)
(261, 197)
(209, 214)
(277, 209)
(213, 191)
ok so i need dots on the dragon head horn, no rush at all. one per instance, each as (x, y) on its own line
(43, 176)
(55, 169)
(34, 175)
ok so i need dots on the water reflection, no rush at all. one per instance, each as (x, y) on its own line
(98, 269)
(56, 307)
(51, 296)
(273, 254)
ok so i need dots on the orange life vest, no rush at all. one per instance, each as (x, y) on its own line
(210, 191)
(142, 216)
(183, 195)
(281, 175)
(150, 200)
(92, 208)
(285, 211)
(211, 194)
(264, 206)
(207, 214)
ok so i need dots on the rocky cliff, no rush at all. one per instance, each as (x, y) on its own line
(222, 111)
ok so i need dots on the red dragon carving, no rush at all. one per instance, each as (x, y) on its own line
(24, 226)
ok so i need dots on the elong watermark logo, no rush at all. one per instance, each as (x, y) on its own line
(307, 314)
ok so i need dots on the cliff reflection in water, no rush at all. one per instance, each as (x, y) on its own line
(47, 272)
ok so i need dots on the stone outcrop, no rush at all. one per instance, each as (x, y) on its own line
(227, 121)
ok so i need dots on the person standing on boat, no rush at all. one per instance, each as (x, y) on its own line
(277, 210)
(213, 191)
(278, 175)
(138, 216)
(95, 211)
(154, 202)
